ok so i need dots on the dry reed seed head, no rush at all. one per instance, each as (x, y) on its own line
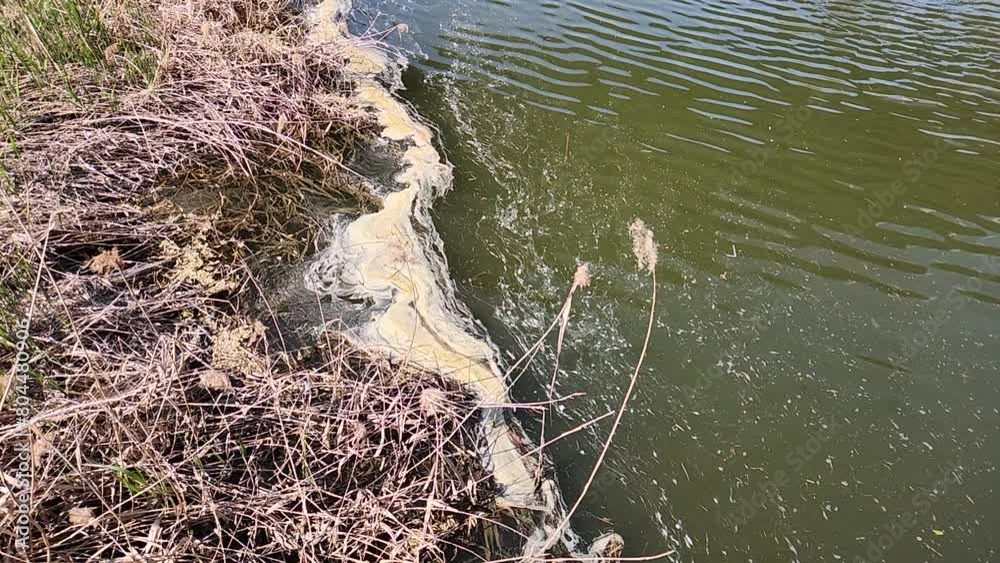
(106, 262)
(582, 276)
(643, 245)
(215, 380)
(81, 516)
(110, 52)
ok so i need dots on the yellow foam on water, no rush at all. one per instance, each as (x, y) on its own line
(380, 256)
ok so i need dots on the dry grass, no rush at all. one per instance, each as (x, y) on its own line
(166, 425)
(170, 459)
(239, 109)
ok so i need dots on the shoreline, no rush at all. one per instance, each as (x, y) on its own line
(393, 260)
(142, 246)
(160, 419)
(382, 259)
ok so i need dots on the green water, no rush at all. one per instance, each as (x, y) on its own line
(824, 182)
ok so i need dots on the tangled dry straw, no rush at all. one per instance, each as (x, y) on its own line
(235, 105)
(167, 424)
(177, 461)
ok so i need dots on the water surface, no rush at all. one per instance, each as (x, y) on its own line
(824, 181)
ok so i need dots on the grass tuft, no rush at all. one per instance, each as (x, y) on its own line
(45, 42)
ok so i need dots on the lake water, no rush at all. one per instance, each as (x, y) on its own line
(823, 178)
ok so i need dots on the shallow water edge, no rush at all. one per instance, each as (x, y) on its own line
(392, 260)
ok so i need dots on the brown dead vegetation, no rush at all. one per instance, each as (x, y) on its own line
(165, 424)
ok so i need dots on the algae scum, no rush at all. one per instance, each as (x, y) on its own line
(823, 378)
(382, 260)
(385, 278)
